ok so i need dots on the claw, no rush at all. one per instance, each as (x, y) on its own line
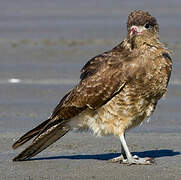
(134, 160)
(151, 160)
(139, 161)
(118, 159)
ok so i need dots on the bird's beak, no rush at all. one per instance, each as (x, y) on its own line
(136, 30)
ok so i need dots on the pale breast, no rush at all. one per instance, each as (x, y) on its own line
(122, 112)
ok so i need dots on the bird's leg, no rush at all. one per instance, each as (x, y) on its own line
(132, 159)
(120, 158)
(122, 149)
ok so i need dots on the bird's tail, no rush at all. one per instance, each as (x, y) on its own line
(30, 134)
(47, 133)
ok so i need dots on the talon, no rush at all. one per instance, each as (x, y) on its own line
(116, 159)
(151, 160)
(135, 157)
(138, 161)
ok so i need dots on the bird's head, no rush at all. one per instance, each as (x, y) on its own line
(140, 23)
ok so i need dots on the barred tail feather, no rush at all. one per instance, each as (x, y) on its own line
(30, 134)
(43, 141)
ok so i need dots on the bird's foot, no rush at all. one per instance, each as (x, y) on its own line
(139, 161)
(118, 159)
(133, 160)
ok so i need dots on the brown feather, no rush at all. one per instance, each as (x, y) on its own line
(29, 135)
(140, 18)
(102, 77)
(43, 141)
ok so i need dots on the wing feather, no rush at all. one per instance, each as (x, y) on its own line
(43, 141)
(102, 77)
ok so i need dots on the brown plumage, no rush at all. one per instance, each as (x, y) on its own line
(117, 91)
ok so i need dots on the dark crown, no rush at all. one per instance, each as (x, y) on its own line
(140, 18)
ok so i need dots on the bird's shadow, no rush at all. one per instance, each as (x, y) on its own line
(107, 156)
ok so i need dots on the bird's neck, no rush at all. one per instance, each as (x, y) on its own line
(127, 45)
(137, 42)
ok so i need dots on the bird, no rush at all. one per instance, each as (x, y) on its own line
(117, 90)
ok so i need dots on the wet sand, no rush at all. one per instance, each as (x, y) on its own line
(43, 47)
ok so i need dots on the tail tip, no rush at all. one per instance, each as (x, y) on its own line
(14, 146)
(17, 158)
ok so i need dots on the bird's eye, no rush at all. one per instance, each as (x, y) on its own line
(147, 25)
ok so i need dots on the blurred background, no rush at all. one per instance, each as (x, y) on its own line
(44, 44)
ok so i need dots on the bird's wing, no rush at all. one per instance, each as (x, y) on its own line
(94, 64)
(101, 79)
(168, 59)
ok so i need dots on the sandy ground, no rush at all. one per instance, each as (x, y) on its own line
(42, 49)
(82, 156)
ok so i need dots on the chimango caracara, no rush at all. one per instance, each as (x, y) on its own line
(117, 91)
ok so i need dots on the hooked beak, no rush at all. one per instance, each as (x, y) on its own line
(136, 30)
